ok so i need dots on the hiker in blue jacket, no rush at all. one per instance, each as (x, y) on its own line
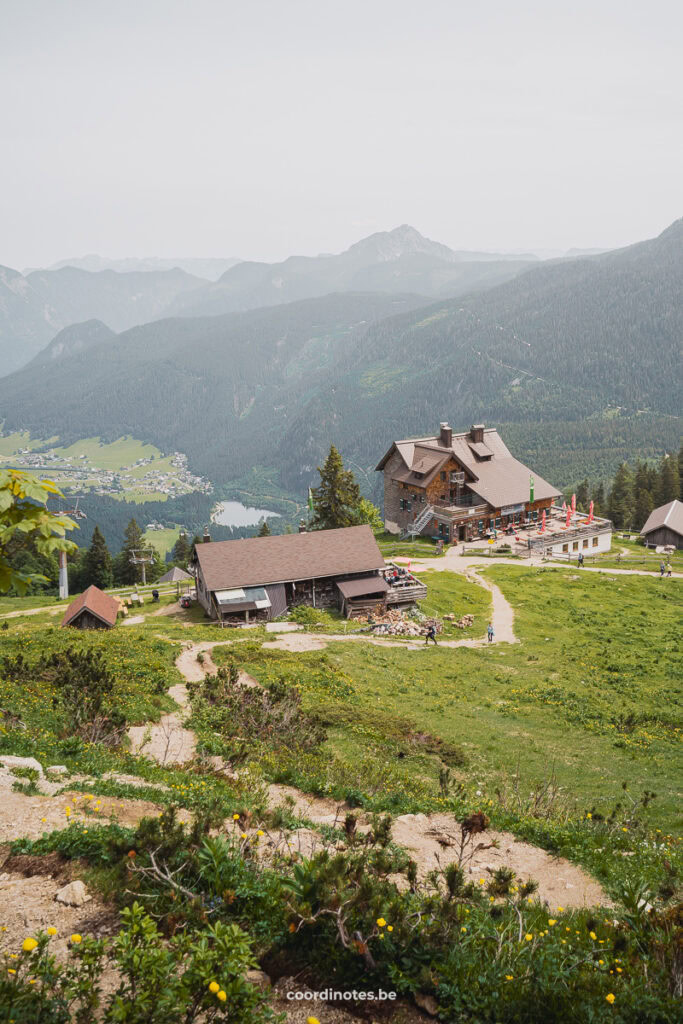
(490, 632)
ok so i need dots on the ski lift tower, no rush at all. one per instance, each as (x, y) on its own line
(72, 513)
(141, 556)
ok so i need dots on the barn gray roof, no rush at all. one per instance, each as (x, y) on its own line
(669, 515)
(288, 557)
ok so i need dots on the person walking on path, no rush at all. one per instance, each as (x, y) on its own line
(490, 632)
(580, 560)
(662, 567)
(668, 568)
(431, 635)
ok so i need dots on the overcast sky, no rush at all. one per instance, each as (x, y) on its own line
(261, 128)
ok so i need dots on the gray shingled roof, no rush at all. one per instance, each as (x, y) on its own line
(288, 557)
(669, 515)
(500, 480)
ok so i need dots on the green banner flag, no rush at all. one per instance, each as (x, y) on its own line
(531, 489)
(310, 500)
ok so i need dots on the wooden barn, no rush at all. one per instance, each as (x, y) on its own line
(260, 578)
(93, 609)
(664, 526)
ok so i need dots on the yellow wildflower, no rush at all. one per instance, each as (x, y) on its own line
(381, 922)
(28, 945)
(214, 986)
(390, 927)
(551, 921)
(508, 977)
(76, 938)
(235, 817)
(593, 936)
(463, 929)
(51, 931)
(610, 998)
(221, 995)
(528, 936)
(312, 1020)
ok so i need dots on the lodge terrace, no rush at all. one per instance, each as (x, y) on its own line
(261, 578)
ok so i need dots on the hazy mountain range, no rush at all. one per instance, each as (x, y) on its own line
(209, 269)
(579, 360)
(36, 305)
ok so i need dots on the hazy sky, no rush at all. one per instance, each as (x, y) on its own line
(262, 128)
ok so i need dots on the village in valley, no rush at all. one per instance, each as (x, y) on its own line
(104, 469)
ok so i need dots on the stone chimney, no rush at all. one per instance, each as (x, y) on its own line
(477, 433)
(302, 526)
(207, 536)
(446, 435)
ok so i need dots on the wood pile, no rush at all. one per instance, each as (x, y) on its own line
(465, 621)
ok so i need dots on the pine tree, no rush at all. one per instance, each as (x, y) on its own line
(264, 530)
(125, 572)
(582, 499)
(180, 555)
(620, 506)
(668, 482)
(680, 472)
(599, 500)
(97, 563)
(336, 500)
(643, 507)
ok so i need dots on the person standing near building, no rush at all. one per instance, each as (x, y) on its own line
(668, 567)
(662, 567)
(580, 559)
(490, 632)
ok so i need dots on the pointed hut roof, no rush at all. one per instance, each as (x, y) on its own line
(175, 575)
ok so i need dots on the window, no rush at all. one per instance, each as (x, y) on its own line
(481, 526)
(534, 514)
(565, 547)
(585, 543)
(497, 523)
(575, 546)
(443, 474)
(595, 542)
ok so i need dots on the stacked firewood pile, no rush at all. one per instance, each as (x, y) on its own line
(394, 623)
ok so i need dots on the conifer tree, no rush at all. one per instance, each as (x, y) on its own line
(620, 506)
(125, 572)
(582, 499)
(599, 500)
(264, 531)
(180, 555)
(336, 499)
(668, 482)
(680, 472)
(643, 506)
(97, 563)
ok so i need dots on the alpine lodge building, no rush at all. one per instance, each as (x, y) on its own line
(460, 487)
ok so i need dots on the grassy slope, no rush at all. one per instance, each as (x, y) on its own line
(589, 692)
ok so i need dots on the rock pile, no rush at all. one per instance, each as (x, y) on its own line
(395, 623)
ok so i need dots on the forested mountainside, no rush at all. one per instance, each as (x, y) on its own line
(571, 357)
(33, 308)
(73, 339)
(401, 260)
(593, 344)
(224, 386)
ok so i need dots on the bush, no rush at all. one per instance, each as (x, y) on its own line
(194, 976)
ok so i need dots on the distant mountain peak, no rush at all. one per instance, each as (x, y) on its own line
(400, 241)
